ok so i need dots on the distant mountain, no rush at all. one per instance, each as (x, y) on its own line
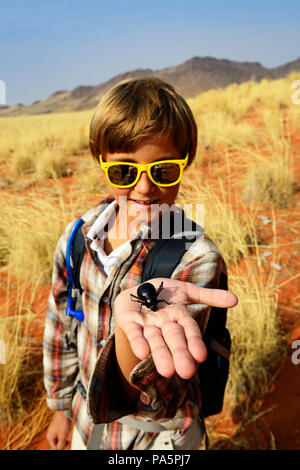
(189, 78)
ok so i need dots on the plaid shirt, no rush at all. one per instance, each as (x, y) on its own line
(173, 402)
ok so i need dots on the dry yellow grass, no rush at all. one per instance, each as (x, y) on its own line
(218, 128)
(258, 343)
(233, 234)
(23, 410)
(39, 144)
(43, 162)
(235, 100)
(21, 372)
(293, 117)
(22, 434)
(221, 115)
(270, 178)
(36, 221)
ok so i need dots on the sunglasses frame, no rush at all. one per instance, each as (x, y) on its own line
(144, 167)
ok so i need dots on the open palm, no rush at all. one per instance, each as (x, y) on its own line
(170, 334)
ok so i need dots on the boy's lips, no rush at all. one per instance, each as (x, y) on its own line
(146, 203)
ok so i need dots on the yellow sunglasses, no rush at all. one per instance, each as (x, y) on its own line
(162, 173)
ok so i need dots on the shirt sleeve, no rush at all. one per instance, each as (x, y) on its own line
(160, 399)
(60, 362)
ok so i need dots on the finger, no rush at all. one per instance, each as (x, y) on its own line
(193, 337)
(213, 297)
(61, 443)
(138, 343)
(161, 355)
(52, 440)
(174, 337)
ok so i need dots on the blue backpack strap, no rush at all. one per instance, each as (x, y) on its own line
(72, 294)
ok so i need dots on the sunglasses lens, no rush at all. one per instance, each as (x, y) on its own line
(122, 175)
(165, 173)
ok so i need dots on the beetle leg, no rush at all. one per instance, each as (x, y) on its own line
(163, 300)
(138, 300)
(159, 289)
(135, 296)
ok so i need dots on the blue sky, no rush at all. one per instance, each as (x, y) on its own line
(50, 45)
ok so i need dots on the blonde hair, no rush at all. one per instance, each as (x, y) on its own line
(140, 108)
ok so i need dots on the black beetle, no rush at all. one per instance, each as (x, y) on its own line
(147, 296)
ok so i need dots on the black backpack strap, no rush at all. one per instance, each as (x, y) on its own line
(77, 254)
(167, 253)
(163, 258)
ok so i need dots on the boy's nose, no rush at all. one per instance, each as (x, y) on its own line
(144, 184)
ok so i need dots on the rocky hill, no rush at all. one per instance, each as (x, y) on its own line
(189, 78)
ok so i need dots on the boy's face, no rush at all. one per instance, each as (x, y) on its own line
(144, 193)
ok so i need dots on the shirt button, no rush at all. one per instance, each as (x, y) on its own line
(102, 342)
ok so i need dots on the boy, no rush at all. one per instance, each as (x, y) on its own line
(127, 359)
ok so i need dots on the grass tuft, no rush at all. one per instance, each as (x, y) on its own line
(270, 178)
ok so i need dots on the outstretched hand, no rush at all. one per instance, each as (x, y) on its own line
(170, 334)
